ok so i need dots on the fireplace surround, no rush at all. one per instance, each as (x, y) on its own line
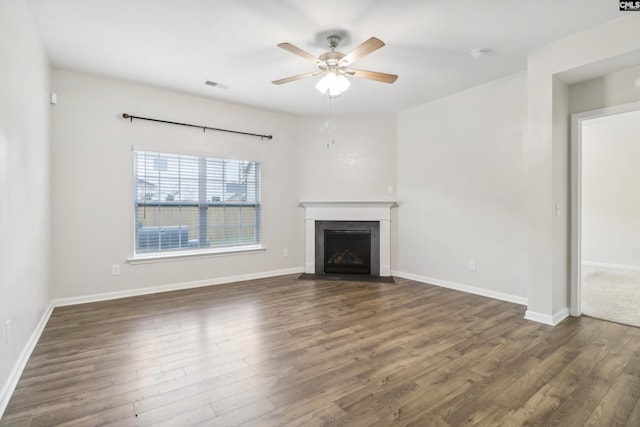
(350, 214)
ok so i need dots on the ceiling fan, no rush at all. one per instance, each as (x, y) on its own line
(335, 65)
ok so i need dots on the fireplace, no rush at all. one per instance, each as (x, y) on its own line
(347, 251)
(347, 247)
(358, 216)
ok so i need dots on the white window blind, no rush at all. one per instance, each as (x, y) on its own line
(194, 203)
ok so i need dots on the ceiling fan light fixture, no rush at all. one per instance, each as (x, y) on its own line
(326, 82)
(342, 83)
(333, 83)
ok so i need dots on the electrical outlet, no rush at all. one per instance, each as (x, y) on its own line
(7, 331)
(285, 252)
(472, 265)
(115, 270)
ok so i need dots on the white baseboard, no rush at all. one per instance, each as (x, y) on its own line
(539, 317)
(61, 302)
(560, 315)
(11, 382)
(310, 267)
(547, 319)
(608, 265)
(464, 288)
(385, 270)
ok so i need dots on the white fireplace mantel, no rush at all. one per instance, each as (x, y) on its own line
(349, 211)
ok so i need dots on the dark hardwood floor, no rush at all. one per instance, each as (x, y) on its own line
(282, 351)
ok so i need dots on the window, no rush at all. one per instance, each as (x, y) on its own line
(192, 203)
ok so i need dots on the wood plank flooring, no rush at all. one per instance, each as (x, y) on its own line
(281, 351)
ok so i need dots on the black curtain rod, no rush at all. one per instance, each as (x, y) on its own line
(204, 128)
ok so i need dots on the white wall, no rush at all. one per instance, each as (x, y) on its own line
(461, 188)
(358, 165)
(93, 185)
(561, 196)
(24, 186)
(600, 47)
(610, 196)
(611, 89)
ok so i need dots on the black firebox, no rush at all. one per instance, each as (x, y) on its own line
(347, 251)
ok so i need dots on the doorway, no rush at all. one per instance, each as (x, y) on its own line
(606, 214)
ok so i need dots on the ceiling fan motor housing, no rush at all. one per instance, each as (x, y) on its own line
(332, 59)
(333, 41)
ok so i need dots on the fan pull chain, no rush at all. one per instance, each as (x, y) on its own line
(329, 124)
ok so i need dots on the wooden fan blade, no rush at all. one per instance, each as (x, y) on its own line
(364, 49)
(373, 75)
(298, 77)
(297, 51)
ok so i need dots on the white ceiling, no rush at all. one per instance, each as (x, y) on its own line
(179, 44)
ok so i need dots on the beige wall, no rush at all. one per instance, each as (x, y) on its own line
(602, 47)
(92, 163)
(461, 189)
(24, 186)
(609, 160)
(610, 195)
(611, 89)
(358, 165)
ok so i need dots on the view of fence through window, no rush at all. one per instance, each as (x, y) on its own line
(186, 202)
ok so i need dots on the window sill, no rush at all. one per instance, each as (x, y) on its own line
(177, 256)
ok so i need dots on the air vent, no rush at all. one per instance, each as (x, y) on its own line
(216, 84)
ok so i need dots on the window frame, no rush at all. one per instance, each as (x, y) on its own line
(203, 206)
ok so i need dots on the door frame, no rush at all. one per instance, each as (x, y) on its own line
(577, 121)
